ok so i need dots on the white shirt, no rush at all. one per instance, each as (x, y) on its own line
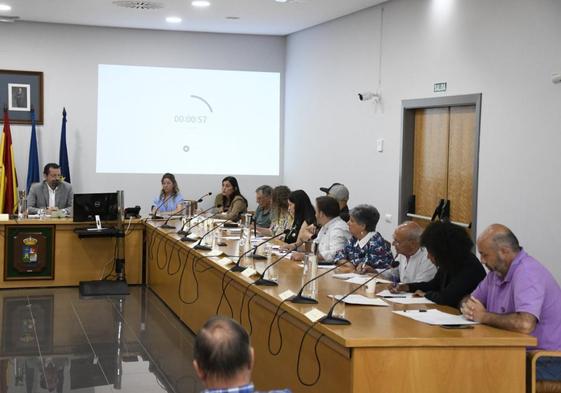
(52, 202)
(417, 269)
(364, 241)
(332, 237)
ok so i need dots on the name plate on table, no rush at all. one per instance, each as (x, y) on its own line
(224, 262)
(286, 294)
(314, 314)
(248, 272)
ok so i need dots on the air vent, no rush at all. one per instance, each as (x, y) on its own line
(8, 19)
(139, 5)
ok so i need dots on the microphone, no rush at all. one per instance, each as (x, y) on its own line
(200, 246)
(301, 299)
(185, 233)
(238, 268)
(270, 283)
(165, 224)
(155, 214)
(187, 239)
(203, 197)
(329, 319)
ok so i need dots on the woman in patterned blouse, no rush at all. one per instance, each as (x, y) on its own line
(366, 250)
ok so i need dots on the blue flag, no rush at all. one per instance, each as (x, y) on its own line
(63, 156)
(33, 166)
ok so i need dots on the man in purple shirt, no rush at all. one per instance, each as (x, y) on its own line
(518, 294)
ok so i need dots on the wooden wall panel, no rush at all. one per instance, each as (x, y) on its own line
(439, 370)
(461, 157)
(430, 165)
(80, 259)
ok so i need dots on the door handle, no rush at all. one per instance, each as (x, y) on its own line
(426, 218)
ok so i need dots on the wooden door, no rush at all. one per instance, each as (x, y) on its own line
(443, 162)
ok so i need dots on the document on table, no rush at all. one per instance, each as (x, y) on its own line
(355, 278)
(344, 276)
(435, 317)
(326, 267)
(409, 300)
(386, 293)
(214, 253)
(361, 300)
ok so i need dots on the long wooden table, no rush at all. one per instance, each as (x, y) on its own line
(78, 259)
(379, 352)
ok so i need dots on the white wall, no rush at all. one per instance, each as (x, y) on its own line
(69, 55)
(506, 50)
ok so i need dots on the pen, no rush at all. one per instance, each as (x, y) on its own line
(391, 297)
(361, 267)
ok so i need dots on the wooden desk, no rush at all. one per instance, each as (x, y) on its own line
(379, 352)
(79, 259)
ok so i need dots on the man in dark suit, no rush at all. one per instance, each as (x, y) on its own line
(52, 194)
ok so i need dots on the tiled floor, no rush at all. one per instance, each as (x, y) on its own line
(54, 341)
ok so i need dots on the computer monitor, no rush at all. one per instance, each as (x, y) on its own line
(87, 206)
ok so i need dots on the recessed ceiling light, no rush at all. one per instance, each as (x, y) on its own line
(5, 7)
(281, 1)
(173, 19)
(200, 3)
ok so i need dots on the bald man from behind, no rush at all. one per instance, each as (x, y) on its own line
(224, 358)
(518, 294)
(414, 264)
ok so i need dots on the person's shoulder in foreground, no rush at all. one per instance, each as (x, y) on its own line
(249, 388)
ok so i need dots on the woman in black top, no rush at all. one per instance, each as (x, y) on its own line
(459, 271)
(301, 208)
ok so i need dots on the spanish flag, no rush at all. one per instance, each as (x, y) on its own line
(8, 178)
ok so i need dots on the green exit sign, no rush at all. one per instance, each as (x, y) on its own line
(440, 87)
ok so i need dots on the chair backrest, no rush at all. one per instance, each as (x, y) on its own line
(534, 386)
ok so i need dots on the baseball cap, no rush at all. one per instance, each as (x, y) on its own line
(327, 189)
(339, 192)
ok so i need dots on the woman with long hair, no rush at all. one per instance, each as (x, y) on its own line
(230, 200)
(281, 219)
(303, 213)
(169, 200)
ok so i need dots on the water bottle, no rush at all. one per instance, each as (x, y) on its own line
(186, 210)
(310, 271)
(395, 277)
(245, 246)
(271, 273)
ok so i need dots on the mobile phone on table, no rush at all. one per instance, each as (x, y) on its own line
(457, 326)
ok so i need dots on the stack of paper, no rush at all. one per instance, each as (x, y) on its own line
(361, 300)
(403, 298)
(355, 278)
(435, 317)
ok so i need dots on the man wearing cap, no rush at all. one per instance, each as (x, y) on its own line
(341, 194)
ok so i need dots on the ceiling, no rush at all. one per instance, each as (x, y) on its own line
(255, 16)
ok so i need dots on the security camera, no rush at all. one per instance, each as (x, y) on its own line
(368, 96)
